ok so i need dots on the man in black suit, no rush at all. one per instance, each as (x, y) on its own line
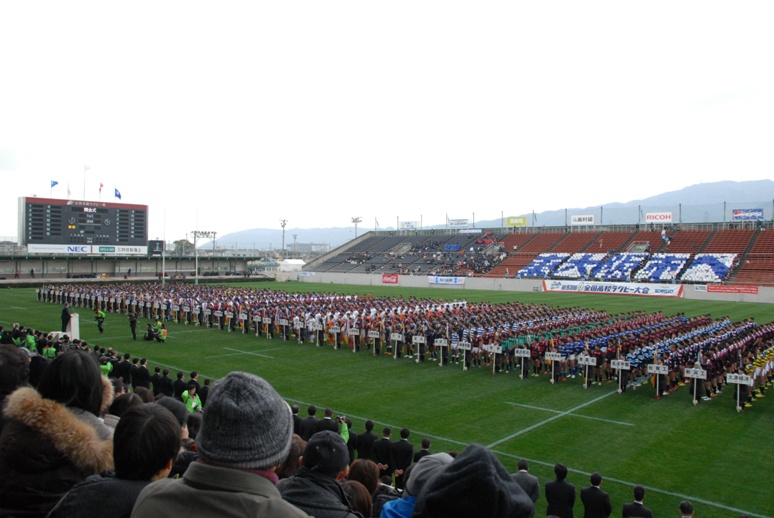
(166, 385)
(560, 494)
(424, 451)
(65, 317)
(123, 369)
(296, 419)
(351, 442)
(402, 455)
(179, 386)
(327, 422)
(686, 509)
(194, 379)
(366, 440)
(156, 381)
(381, 453)
(133, 369)
(596, 503)
(204, 391)
(309, 423)
(528, 482)
(637, 509)
(142, 376)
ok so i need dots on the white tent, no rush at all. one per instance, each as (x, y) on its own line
(291, 265)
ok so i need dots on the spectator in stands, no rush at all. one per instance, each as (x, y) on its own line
(246, 434)
(315, 487)
(185, 456)
(291, 463)
(418, 476)
(366, 472)
(474, 484)
(14, 373)
(358, 497)
(120, 405)
(144, 445)
(57, 430)
(145, 394)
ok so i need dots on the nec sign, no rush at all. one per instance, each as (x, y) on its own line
(78, 249)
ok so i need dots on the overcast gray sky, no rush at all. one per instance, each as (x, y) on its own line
(225, 116)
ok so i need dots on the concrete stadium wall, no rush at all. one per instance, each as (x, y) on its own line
(690, 292)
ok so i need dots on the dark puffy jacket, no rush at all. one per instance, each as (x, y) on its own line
(317, 495)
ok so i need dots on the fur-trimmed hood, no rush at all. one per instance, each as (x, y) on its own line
(108, 394)
(77, 440)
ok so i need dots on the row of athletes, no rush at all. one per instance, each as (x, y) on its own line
(498, 325)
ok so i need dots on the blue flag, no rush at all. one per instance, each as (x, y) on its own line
(118, 194)
(54, 183)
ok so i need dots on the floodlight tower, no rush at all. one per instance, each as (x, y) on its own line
(283, 222)
(356, 220)
(206, 234)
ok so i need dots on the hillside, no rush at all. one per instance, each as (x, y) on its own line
(699, 203)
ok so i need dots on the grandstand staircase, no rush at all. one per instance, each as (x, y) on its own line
(706, 243)
(743, 258)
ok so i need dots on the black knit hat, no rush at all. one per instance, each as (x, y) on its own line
(475, 484)
(246, 424)
(326, 453)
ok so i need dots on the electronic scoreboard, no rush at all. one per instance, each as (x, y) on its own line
(75, 226)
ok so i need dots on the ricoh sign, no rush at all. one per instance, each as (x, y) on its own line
(658, 217)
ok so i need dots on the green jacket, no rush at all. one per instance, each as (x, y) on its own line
(192, 403)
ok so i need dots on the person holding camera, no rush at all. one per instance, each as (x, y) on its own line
(191, 398)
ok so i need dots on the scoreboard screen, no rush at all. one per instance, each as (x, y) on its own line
(46, 221)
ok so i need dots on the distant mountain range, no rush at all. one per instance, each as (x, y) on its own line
(702, 203)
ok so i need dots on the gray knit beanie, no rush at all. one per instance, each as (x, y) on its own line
(424, 470)
(246, 424)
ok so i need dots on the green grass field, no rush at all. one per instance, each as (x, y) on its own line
(708, 454)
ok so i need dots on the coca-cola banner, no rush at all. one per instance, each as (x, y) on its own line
(389, 278)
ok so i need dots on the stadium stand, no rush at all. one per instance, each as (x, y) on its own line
(579, 266)
(662, 268)
(652, 254)
(709, 268)
(543, 265)
(619, 267)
